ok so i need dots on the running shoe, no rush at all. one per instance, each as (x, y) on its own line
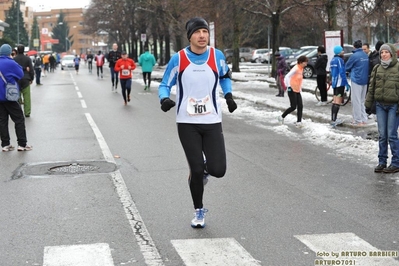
(128, 98)
(280, 119)
(26, 148)
(298, 124)
(8, 148)
(199, 218)
(145, 87)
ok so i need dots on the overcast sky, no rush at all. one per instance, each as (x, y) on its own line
(58, 3)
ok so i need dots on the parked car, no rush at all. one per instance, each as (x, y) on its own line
(245, 54)
(309, 70)
(303, 50)
(67, 62)
(284, 51)
(258, 55)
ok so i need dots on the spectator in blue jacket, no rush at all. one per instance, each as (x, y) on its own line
(12, 72)
(358, 66)
(338, 82)
(147, 62)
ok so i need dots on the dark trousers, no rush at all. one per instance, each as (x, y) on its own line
(38, 72)
(197, 139)
(13, 110)
(126, 85)
(295, 102)
(99, 68)
(322, 85)
(114, 76)
(145, 76)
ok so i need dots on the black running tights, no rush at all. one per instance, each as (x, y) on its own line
(295, 102)
(197, 139)
(145, 76)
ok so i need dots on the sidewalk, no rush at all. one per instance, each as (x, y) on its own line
(254, 84)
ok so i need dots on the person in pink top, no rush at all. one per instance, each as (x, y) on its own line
(293, 81)
(99, 58)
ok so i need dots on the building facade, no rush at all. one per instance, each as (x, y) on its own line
(48, 19)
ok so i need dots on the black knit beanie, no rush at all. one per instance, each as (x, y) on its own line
(195, 24)
(378, 45)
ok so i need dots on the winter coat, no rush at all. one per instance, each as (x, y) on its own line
(147, 61)
(281, 66)
(384, 82)
(112, 57)
(11, 71)
(358, 66)
(374, 59)
(321, 64)
(26, 63)
(338, 74)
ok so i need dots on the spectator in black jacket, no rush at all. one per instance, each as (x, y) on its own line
(26, 63)
(320, 67)
(38, 68)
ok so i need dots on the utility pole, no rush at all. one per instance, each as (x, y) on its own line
(17, 13)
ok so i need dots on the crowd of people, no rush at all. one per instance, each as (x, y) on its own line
(374, 82)
(20, 70)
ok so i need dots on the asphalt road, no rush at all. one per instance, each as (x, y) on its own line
(278, 194)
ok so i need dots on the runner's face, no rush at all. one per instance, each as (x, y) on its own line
(200, 38)
(385, 55)
(115, 47)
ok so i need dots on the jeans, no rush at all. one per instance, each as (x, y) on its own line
(114, 77)
(38, 72)
(388, 122)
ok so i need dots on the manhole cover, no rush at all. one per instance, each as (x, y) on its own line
(74, 168)
(64, 168)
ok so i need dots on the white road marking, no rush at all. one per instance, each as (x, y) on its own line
(347, 248)
(79, 95)
(83, 103)
(143, 238)
(78, 255)
(213, 251)
(76, 88)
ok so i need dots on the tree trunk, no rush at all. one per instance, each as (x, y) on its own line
(236, 38)
(331, 7)
(349, 16)
(275, 20)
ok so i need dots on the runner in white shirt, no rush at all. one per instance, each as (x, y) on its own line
(197, 70)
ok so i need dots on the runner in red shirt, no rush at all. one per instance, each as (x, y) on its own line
(125, 66)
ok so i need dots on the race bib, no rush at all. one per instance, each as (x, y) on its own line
(125, 72)
(89, 59)
(199, 106)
